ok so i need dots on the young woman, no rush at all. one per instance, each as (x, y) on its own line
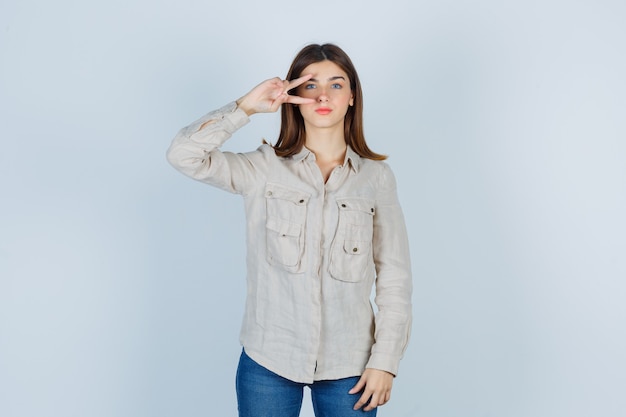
(323, 225)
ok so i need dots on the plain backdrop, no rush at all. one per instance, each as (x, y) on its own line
(122, 282)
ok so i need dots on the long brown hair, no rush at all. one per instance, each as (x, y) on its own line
(292, 132)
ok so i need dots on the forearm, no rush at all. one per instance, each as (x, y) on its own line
(195, 149)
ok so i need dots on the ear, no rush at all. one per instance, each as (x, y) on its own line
(351, 102)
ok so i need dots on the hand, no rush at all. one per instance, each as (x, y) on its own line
(376, 387)
(268, 96)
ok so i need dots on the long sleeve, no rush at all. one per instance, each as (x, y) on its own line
(393, 279)
(314, 251)
(195, 151)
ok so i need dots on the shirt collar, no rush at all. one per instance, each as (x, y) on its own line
(302, 155)
(351, 157)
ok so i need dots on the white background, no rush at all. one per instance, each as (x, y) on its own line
(122, 282)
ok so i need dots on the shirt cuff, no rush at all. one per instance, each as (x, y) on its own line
(384, 362)
(229, 118)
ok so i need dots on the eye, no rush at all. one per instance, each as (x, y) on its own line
(309, 86)
(336, 85)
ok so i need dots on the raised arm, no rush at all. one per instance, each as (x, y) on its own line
(195, 149)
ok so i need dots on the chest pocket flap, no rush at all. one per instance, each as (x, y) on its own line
(285, 226)
(351, 251)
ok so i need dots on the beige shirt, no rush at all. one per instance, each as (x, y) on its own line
(314, 251)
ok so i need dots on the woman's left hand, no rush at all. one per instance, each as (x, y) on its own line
(376, 387)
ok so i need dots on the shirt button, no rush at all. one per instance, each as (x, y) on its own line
(355, 249)
(343, 205)
(372, 209)
(269, 194)
(301, 201)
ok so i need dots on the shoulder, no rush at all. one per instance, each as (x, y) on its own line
(380, 171)
(265, 151)
(264, 156)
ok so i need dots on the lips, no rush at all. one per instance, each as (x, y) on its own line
(323, 110)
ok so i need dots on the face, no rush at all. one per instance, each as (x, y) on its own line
(330, 88)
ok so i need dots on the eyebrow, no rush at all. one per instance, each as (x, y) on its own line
(336, 77)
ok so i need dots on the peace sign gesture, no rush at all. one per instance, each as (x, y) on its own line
(268, 96)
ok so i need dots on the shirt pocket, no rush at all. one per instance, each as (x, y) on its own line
(285, 226)
(351, 251)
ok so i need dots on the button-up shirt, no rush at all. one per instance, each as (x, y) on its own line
(314, 251)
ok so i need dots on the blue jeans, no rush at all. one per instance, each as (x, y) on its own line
(262, 393)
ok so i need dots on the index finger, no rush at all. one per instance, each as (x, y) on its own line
(299, 100)
(294, 83)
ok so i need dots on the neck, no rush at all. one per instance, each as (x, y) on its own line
(327, 151)
(326, 144)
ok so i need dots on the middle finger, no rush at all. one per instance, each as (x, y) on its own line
(294, 83)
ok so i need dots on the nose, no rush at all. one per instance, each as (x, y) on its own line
(323, 98)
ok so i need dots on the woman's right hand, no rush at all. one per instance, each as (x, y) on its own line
(268, 96)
